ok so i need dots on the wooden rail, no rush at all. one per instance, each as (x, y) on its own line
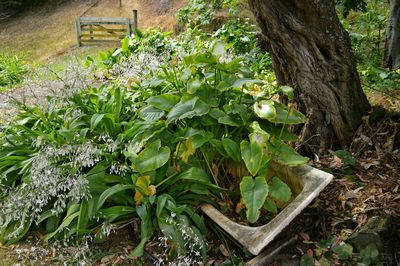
(102, 30)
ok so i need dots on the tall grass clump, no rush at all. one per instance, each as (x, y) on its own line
(12, 69)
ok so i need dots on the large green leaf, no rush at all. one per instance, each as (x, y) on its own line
(252, 153)
(232, 149)
(150, 113)
(66, 222)
(188, 108)
(95, 120)
(240, 82)
(224, 118)
(253, 192)
(286, 155)
(146, 229)
(116, 212)
(265, 109)
(171, 230)
(279, 190)
(86, 213)
(285, 116)
(270, 205)
(151, 158)
(111, 191)
(194, 174)
(193, 85)
(163, 102)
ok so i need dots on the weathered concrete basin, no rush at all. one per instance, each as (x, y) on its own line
(305, 181)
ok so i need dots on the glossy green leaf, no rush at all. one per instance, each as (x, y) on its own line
(194, 174)
(283, 116)
(125, 44)
(151, 158)
(286, 155)
(279, 190)
(193, 85)
(232, 149)
(288, 91)
(146, 229)
(253, 192)
(252, 153)
(241, 81)
(115, 213)
(95, 120)
(163, 102)
(270, 205)
(218, 49)
(111, 191)
(66, 222)
(161, 203)
(150, 113)
(172, 232)
(265, 109)
(187, 108)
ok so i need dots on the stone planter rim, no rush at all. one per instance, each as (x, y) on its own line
(255, 239)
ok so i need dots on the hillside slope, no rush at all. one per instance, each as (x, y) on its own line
(48, 31)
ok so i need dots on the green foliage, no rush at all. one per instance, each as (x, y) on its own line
(367, 30)
(345, 6)
(335, 250)
(238, 34)
(12, 69)
(151, 150)
(200, 12)
(254, 192)
(346, 157)
(370, 254)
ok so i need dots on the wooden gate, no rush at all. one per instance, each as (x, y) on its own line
(103, 30)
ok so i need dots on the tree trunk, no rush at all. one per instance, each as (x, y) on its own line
(311, 52)
(392, 49)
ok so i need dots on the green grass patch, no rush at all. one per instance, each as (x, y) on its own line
(12, 69)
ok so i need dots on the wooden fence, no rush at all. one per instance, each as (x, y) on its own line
(103, 30)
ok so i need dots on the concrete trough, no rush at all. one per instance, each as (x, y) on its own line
(306, 183)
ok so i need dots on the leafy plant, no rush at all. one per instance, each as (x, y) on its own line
(198, 12)
(12, 69)
(153, 151)
(327, 252)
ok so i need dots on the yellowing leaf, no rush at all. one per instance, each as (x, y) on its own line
(143, 188)
(138, 197)
(189, 150)
(151, 190)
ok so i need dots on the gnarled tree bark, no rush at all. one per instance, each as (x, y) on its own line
(311, 52)
(392, 47)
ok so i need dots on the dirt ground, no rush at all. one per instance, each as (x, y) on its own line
(49, 31)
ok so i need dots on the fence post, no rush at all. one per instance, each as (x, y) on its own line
(120, 3)
(135, 21)
(78, 31)
(129, 30)
(91, 31)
